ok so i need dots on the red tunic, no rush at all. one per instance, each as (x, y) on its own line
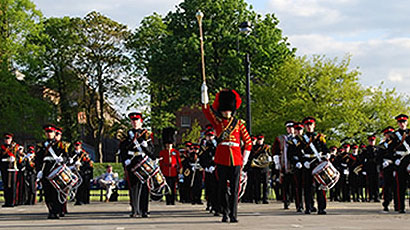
(229, 151)
(170, 163)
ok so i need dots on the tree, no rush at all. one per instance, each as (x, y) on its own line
(104, 65)
(55, 67)
(167, 58)
(327, 90)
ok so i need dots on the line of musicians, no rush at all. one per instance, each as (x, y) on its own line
(363, 169)
(23, 172)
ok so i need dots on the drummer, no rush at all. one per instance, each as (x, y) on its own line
(48, 156)
(137, 144)
(312, 150)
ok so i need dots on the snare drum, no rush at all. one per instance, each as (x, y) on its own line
(144, 168)
(326, 175)
(63, 179)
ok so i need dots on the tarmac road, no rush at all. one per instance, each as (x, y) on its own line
(186, 216)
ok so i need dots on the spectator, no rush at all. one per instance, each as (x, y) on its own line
(108, 181)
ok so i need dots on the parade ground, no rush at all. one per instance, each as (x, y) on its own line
(115, 215)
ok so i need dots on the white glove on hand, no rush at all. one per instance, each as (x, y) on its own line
(364, 173)
(77, 163)
(127, 162)
(385, 164)
(204, 94)
(59, 159)
(246, 156)
(211, 169)
(306, 164)
(12, 159)
(144, 144)
(71, 160)
(397, 162)
(299, 165)
(39, 175)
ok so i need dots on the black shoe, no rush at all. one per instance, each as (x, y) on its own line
(144, 215)
(62, 214)
(377, 201)
(313, 209)
(307, 211)
(402, 211)
(78, 203)
(257, 202)
(265, 202)
(224, 219)
(216, 214)
(7, 206)
(53, 216)
(385, 209)
(299, 210)
(133, 215)
(321, 212)
(233, 220)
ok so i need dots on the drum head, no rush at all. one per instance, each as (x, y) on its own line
(320, 167)
(55, 171)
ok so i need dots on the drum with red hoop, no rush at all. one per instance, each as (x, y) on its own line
(326, 175)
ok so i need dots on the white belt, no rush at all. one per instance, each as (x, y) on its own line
(136, 153)
(309, 155)
(401, 153)
(230, 144)
(344, 165)
(49, 158)
(12, 170)
(5, 160)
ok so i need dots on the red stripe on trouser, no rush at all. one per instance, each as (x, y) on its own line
(324, 194)
(398, 190)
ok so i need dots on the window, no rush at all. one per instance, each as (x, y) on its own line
(185, 122)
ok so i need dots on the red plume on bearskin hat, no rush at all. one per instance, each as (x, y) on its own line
(227, 99)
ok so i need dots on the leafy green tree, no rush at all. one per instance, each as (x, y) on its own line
(167, 56)
(55, 67)
(104, 65)
(327, 90)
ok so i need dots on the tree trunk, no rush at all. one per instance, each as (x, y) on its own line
(99, 140)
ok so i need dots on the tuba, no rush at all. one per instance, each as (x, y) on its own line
(263, 160)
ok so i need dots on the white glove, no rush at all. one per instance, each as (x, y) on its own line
(246, 156)
(211, 169)
(71, 160)
(385, 164)
(204, 94)
(364, 173)
(306, 164)
(299, 165)
(59, 159)
(12, 159)
(39, 175)
(77, 163)
(144, 144)
(397, 162)
(127, 162)
(276, 161)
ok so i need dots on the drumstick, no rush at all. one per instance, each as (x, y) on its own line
(199, 15)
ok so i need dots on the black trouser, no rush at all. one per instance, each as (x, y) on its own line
(228, 202)
(211, 193)
(401, 183)
(172, 183)
(9, 185)
(287, 188)
(83, 192)
(196, 190)
(20, 192)
(389, 188)
(354, 185)
(51, 197)
(373, 185)
(261, 178)
(30, 188)
(308, 186)
(249, 195)
(139, 194)
(298, 179)
(344, 186)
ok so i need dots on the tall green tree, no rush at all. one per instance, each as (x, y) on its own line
(104, 64)
(56, 67)
(167, 55)
(328, 90)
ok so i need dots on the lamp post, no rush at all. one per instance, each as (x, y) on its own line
(246, 28)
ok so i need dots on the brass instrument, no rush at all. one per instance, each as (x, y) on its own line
(263, 160)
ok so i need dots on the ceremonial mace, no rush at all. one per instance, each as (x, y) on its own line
(199, 15)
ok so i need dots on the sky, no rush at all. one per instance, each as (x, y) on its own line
(375, 33)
